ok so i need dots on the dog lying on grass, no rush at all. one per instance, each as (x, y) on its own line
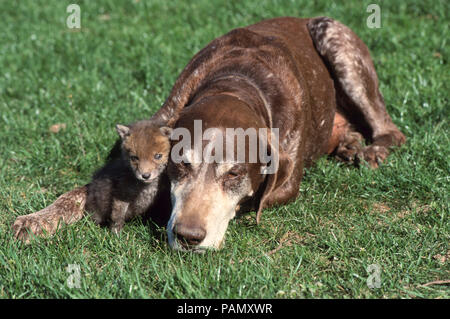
(312, 80)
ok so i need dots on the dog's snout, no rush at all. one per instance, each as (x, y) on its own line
(189, 236)
(146, 176)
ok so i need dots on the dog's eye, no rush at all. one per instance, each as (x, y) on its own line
(158, 156)
(185, 164)
(232, 174)
(134, 158)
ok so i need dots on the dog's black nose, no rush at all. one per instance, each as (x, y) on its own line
(189, 236)
(146, 176)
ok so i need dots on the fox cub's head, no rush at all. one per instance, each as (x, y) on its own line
(146, 147)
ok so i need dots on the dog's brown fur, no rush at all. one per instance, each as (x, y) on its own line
(311, 78)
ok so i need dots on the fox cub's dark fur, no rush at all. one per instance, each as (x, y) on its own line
(127, 186)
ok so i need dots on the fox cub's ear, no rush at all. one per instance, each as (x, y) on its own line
(123, 131)
(166, 131)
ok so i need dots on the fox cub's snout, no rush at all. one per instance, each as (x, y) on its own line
(146, 148)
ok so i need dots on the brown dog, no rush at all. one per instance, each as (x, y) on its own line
(312, 79)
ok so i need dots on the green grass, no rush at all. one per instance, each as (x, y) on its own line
(121, 67)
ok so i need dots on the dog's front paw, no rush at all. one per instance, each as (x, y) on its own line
(24, 227)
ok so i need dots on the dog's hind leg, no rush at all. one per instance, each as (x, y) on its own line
(67, 208)
(357, 93)
(345, 142)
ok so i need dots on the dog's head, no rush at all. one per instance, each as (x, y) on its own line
(212, 172)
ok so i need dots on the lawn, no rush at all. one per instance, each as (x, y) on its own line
(120, 68)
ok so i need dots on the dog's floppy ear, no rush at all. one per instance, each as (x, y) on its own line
(276, 176)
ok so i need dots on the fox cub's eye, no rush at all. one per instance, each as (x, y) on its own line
(134, 158)
(158, 156)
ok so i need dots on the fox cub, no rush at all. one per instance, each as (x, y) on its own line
(126, 187)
